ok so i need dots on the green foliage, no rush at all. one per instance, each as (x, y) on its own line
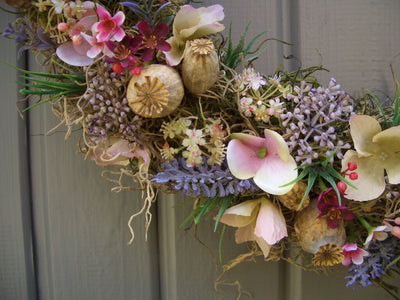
(234, 54)
(206, 206)
(57, 85)
(320, 170)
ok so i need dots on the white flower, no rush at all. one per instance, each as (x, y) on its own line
(59, 6)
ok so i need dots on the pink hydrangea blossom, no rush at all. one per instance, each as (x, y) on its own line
(266, 160)
(353, 254)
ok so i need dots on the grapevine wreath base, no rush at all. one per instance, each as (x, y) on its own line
(166, 102)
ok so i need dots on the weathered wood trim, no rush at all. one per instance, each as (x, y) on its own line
(17, 272)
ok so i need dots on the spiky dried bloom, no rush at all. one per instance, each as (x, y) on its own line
(313, 121)
(108, 111)
(328, 255)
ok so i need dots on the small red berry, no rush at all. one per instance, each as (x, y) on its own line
(353, 175)
(117, 68)
(341, 187)
(136, 70)
(352, 166)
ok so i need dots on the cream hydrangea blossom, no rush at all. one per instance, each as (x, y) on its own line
(191, 23)
(376, 151)
(257, 220)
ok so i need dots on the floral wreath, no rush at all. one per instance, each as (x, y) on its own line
(158, 94)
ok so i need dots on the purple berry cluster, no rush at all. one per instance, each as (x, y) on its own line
(312, 121)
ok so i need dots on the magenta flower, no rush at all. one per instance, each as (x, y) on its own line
(353, 254)
(109, 27)
(123, 54)
(266, 160)
(153, 39)
(257, 220)
(328, 204)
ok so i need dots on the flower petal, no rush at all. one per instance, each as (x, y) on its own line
(144, 28)
(175, 55)
(243, 160)
(118, 35)
(363, 129)
(67, 53)
(147, 55)
(370, 182)
(163, 46)
(186, 17)
(274, 173)
(242, 214)
(276, 144)
(389, 152)
(103, 13)
(264, 246)
(118, 18)
(245, 234)
(161, 30)
(270, 224)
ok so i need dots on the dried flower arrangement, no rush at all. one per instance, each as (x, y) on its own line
(155, 90)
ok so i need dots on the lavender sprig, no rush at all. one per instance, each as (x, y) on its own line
(211, 181)
(381, 254)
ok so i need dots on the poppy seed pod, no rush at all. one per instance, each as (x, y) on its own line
(313, 232)
(200, 67)
(156, 92)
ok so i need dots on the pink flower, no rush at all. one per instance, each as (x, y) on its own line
(118, 152)
(75, 52)
(96, 46)
(109, 27)
(378, 233)
(353, 254)
(266, 160)
(395, 230)
(257, 220)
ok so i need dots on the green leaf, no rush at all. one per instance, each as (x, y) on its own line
(220, 243)
(226, 202)
(396, 115)
(209, 204)
(311, 179)
(380, 107)
(45, 101)
(55, 84)
(332, 182)
(298, 178)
